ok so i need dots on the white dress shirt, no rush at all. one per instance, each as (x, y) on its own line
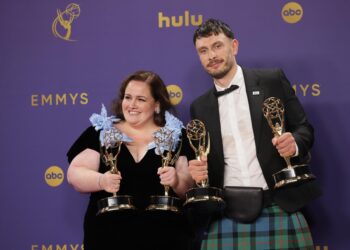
(241, 163)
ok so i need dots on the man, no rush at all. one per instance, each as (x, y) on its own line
(243, 152)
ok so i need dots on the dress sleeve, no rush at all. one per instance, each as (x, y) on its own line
(88, 139)
(186, 149)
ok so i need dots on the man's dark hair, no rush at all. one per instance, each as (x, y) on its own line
(212, 27)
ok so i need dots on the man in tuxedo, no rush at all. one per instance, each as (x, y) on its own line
(244, 153)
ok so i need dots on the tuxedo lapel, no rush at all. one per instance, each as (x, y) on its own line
(212, 117)
(255, 94)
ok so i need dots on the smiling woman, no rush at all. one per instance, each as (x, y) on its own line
(139, 106)
(141, 117)
(150, 88)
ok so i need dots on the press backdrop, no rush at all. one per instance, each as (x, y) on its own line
(60, 60)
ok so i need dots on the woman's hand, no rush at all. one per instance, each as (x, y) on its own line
(110, 182)
(168, 176)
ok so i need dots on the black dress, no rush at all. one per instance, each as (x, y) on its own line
(133, 230)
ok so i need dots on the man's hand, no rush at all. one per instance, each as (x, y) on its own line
(285, 144)
(199, 169)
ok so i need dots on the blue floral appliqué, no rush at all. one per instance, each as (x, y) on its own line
(169, 135)
(111, 138)
(105, 124)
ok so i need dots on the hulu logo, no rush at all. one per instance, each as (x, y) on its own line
(179, 21)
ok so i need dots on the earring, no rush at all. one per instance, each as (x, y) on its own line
(157, 110)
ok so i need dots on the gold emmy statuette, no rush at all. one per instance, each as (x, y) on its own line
(273, 110)
(165, 146)
(110, 149)
(203, 196)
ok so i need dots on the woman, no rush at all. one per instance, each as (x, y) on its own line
(140, 112)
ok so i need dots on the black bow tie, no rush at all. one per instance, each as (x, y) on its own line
(224, 92)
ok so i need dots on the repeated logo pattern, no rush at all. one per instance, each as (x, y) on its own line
(292, 12)
(62, 25)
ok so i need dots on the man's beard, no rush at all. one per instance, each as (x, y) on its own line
(221, 73)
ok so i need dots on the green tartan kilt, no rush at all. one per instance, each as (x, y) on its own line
(274, 229)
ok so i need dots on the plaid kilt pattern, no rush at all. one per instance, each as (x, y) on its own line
(274, 229)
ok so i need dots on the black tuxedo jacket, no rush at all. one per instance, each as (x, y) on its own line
(261, 84)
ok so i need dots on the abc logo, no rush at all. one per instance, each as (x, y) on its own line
(175, 94)
(54, 176)
(292, 12)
